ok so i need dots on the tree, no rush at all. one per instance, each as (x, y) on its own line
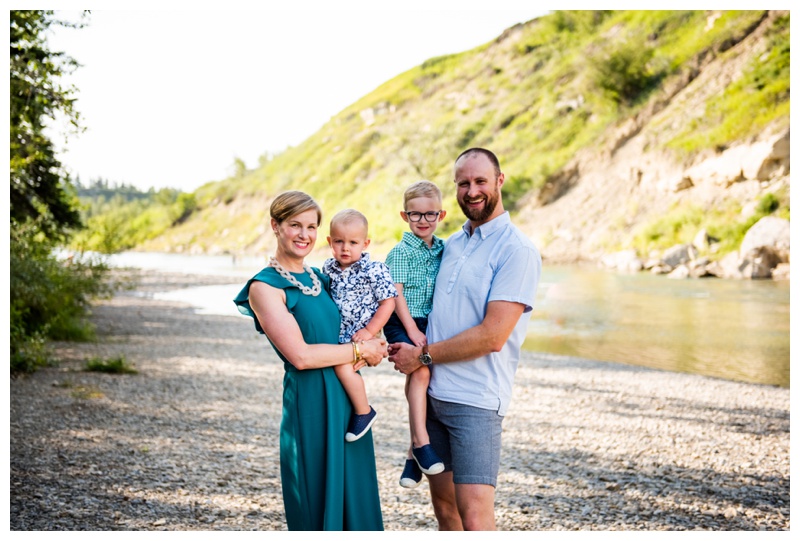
(38, 186)
(49, 297)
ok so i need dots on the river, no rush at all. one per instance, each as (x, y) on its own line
(737, 330)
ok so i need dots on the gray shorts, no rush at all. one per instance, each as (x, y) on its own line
(467, 439)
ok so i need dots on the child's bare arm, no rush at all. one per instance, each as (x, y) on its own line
(382, 315)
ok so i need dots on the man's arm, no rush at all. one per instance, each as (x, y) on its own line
(487, 337)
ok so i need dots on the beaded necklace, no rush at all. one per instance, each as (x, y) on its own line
(305, 290)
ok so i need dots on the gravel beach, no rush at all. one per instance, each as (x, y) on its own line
(191, 441)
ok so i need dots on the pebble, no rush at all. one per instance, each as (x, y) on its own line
(190, 443)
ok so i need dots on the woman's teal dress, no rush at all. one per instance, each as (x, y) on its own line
(328, 484)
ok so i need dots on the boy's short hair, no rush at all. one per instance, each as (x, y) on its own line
(348, 216)
(421, 188)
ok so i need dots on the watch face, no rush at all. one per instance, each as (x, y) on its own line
(425, 359)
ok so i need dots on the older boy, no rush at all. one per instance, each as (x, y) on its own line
(414, 263)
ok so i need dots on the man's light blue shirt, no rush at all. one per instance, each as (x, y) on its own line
(496, 263)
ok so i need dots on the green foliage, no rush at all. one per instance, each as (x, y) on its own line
(86, 392)
(49, 296)
(731, 232)
(38, 190)
(624, 69)
(724, 223)
(559, 29)
(469, 135)
(514, 189)
(115, 365)
(101, 189)
(676, 227)
(767, 204)
(576, 21)
(129, 217)
(756, 99)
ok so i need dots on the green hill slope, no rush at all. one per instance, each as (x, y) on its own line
(542, 95)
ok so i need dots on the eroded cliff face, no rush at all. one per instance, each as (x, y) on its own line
(610, 199)
(597, 203)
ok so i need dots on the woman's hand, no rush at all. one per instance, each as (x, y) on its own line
(373, 351)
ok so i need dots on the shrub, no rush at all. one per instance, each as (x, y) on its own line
(115, 365)
(622, 70)
(49, 297)
(675, 227)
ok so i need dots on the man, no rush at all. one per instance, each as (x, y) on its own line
(482, 301)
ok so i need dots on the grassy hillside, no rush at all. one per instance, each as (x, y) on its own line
(537, 95)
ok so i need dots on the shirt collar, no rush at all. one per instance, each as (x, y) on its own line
(489, 227)
(333, 265)
(415, 242)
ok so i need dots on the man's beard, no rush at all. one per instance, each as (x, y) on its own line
(480, 215)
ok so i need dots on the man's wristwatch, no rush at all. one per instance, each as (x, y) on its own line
(425, 358)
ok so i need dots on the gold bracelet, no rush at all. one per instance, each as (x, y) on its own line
(356, 352)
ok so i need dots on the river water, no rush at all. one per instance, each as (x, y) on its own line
(736, 330)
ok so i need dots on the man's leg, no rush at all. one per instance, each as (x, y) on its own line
(443, 496)
(462, 507)
(476, 507)
(468, 439)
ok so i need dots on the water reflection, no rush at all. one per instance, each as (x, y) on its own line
(723, 328)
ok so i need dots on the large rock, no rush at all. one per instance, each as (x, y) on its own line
(757, 264)
(625, 261)
(731, 266)
(768, 231)
(757, 161)
(702, 240)
(775, 162)
(680, 272)
(781, 272)
(679, 254)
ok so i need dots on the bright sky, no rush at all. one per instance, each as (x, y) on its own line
(171, 98)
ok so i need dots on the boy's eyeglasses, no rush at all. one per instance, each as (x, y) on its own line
(429, 216)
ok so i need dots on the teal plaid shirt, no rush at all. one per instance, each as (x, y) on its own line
(415, 266)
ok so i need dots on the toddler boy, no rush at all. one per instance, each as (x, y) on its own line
(364, 292)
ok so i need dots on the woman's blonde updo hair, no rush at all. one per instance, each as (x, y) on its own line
(292, 203)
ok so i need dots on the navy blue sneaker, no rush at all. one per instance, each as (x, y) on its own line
(360, 425)
(412, 475)
(427, 460)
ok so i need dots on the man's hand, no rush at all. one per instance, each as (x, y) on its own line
(405, 357)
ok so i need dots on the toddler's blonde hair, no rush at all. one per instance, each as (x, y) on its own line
(348, 216)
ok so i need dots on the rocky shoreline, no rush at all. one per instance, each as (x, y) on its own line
(190, 442)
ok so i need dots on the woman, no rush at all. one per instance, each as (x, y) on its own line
(328, 484)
